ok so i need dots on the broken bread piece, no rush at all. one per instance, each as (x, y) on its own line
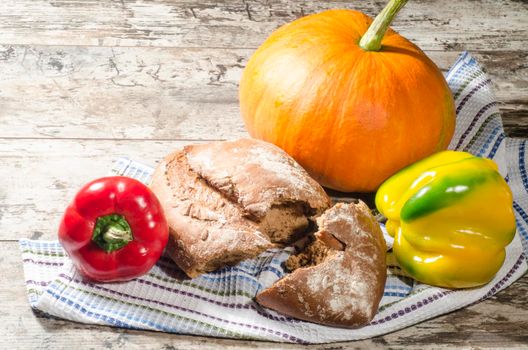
(339, 278)
(229, 201)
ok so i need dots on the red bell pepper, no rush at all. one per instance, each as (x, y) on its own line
(114, 229)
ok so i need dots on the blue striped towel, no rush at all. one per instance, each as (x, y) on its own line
(221, 304)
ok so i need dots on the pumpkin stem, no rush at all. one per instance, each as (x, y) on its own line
(371, 40)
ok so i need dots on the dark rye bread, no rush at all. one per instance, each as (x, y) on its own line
(229, 201)
(338, 280)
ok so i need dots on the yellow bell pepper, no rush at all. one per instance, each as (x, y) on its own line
(451, 217)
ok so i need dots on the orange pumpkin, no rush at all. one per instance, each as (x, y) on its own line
(351, 106)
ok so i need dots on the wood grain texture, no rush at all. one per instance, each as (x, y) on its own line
(492, 323)
(50, 172)
(168, 93)
(245, 23)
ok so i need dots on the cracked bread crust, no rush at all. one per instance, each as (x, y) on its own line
(257, 175)
(206, 231)
(229, 201)
(344, 283)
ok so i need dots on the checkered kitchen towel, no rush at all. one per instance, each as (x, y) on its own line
(221, 304)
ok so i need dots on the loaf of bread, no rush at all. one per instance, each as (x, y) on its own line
(229, 201)
(339, 278)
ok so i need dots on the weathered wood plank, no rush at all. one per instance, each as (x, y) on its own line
(498, 322)
(119, 93)
(41, 177)
(496, 25)
(515, 118)
(167, 93)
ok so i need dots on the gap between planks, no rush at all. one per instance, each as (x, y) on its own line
(222, 48)
(112, 139)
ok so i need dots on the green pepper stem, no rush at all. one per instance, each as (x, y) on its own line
(371, 40)
(112, 232)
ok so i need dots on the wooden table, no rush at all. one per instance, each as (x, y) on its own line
(82, 82)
